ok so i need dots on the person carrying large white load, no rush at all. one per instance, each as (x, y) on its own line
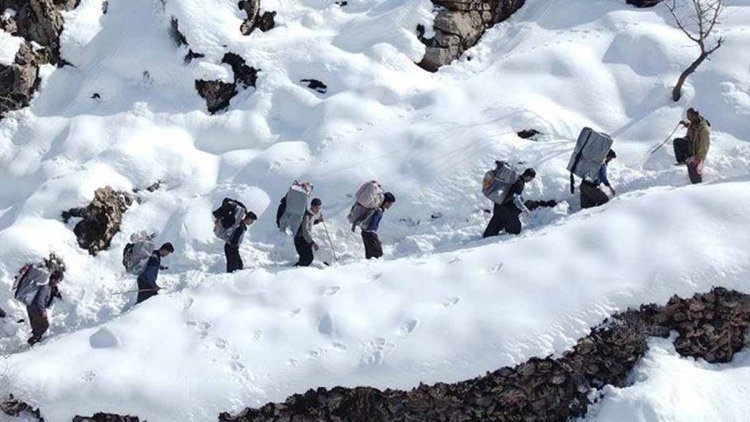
(136, 253)
(504, 187)
(367, 200)
(588, 155)
(293, 206)
(36, 287)
(230, 224)
(591, 193)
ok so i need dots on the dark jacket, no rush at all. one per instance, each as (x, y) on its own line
(374, 223)
(151, 272)
(238, 235)
(513, 199)
(43, 298)
(305, 228)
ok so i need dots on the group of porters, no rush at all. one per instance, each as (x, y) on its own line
(36, 285)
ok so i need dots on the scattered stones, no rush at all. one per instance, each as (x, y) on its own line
(712, 326)
(243, 74)
(100, 219)
(315, 85)
(264, 22)
(106, 417)
(13, 407)
(458, 26)
(528, 133)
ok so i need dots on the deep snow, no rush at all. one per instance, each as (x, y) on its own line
(444, 305)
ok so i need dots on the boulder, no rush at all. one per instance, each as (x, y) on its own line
(100, 219)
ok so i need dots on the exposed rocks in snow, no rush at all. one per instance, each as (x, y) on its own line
(711, 326)
(644, 3)
(12, 407)
(458, 26)
(264, 22)
(218, 94)
(101, 219)
(151, 188)
(40, 22)
(2, 313)
(192, 55)
(243, 74)
(315, 85)
(174, 31)
(528, 133)
(106, 417)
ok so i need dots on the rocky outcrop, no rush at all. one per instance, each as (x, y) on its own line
(458, 26)
(100, 219)
(711, 326)
(315, 85)
(106, 417)
(36, 21)
(218, 94)
(528, 133)
(644, 3)
(16, 408)
(264, 22)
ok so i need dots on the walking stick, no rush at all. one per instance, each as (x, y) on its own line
(136, 291)
(665, 141)
(330, 242)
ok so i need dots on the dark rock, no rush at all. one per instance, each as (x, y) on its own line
(2, 313)
(458, 26)
(106, 417)
(644, 3)
(96, 96)
(19, 81)
(12, 407)
(216, 93)
(528, 133)
(264, 22)
(191, 55)
(315, 85)
(100, 219)
(243, 74)
(342, 3)
(174, 32)
(105, 7)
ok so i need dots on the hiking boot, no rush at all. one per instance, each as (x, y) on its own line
(34, 340)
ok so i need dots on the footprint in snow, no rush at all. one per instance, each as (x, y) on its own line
(221, 343)
(330, 291)
(451, 302)
(376, 276)
(454, 260)
(409, 326)
(495, 268)
(339, 345)
(325, 326)
(295, 312)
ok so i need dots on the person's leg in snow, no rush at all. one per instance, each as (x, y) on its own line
(592, 196)
(695, 171)
(144, 291)
(305, 252)
(496, 222)
(38, 321)
(511, 221)
(373, 247)
(234, 260)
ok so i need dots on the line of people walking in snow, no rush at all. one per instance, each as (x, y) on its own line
(36, 285)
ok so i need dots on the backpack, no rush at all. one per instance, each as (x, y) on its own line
(294, 206)
(496, 183)
(136, 254)
(367, 199)
(591, 149)
(230, 215)
(28, 284)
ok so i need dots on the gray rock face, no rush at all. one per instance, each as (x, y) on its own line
(100, 219)
(38, 21)
(458, 26)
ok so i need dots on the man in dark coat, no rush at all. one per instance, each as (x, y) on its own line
(36, 289)
(303, 240)
(232, 246)
(147, 286)
(373, 247)
(505, 216)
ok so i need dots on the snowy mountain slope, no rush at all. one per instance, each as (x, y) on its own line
(223, 342)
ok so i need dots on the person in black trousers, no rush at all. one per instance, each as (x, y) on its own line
(505, 215)
(303, 240)
(373, 247)
(147, 286)
(232, 246)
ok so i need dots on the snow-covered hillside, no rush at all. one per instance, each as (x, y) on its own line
(443, 305)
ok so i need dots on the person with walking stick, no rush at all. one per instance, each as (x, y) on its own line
(147, 286)
(303, 239)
